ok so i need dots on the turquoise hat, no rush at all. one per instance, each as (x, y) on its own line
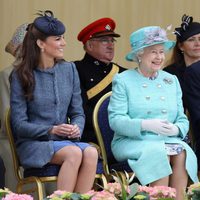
(145, 37)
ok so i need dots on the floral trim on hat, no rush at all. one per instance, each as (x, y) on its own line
(152, 36)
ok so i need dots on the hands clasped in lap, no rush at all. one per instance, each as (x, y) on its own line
(66, 130)
(160, 126)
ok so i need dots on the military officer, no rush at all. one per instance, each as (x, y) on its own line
(96, 69)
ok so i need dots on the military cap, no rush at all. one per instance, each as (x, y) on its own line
(98, 28)
(49, 25)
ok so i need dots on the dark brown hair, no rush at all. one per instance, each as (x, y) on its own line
(30, 60)
(177, 56)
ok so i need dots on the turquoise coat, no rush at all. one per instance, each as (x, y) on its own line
(134, 98)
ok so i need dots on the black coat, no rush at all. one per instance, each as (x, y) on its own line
(91, 72)
(189, 78)
(192, 95)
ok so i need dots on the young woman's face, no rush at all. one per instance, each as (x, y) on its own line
(152, 58)
(191, 47)
(53, 47)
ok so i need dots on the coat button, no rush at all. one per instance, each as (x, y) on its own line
(164, 111)
(147, 97)
(144, 85)
(162, 98)
(159, 86)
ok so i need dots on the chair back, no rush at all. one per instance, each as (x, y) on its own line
(39, 176)
(16, 162)
(103, 131)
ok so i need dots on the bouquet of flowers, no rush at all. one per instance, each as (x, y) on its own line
(8, 195)
(119, 190)
(193, 192)
(158, 192)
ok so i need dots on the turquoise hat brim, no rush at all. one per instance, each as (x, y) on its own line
(132, 56)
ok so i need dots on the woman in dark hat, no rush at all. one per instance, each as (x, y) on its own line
(185, 52)
(186, 66)
(46, 108)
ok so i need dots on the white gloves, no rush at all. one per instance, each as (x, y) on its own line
(160, 126)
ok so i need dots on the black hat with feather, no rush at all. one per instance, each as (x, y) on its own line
(187, 29)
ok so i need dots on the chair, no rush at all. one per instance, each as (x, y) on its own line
(104, 136)
(37, 176)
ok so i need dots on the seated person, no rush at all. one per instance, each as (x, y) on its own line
(146, 114)
(96, 69)
(45, 93)
(186, 66)
(14, 48)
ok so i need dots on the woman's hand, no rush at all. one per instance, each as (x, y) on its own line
(160, 126)
(66, 130)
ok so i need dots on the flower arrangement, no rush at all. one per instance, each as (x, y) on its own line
(8, 195)
(115, 191)
(193, 192)
(158, 192)
(120, 191)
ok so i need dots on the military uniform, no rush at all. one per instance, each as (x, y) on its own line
(95, 75)
(91, 72)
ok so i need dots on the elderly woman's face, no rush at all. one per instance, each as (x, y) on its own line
(152, 58)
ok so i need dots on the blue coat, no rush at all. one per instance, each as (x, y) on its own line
(134, 98)
(57, 97)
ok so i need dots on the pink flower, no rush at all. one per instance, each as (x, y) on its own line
(13, 196)
(159, 191)
(57, 193)
(104, 195)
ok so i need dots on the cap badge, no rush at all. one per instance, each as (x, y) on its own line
(107, 27)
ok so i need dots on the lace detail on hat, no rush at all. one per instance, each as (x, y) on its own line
(156, 35)
(152, 36)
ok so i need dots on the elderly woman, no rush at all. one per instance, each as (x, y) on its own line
(146, 114)
(186, 66)
(46, 108)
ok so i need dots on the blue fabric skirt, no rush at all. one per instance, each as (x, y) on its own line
(60, 144)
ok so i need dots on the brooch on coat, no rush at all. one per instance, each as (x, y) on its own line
(168, 80)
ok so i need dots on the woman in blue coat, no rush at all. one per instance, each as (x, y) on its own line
(146, 114)
(46, 108)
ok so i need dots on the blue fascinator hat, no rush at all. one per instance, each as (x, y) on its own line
(49, 25)
(145, 37)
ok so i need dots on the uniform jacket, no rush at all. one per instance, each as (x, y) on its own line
(91, 72)
(57, 96)
(135, 98)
